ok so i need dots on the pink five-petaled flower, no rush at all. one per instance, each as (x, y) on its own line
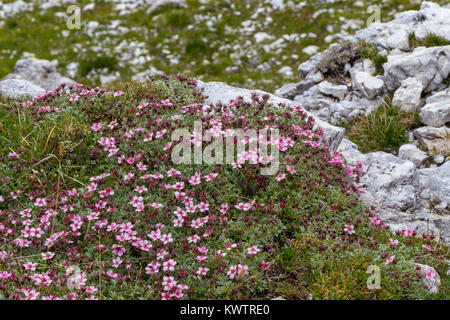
(393, 242)
(253, 250)
(408, 232)
(118, 93)
(96, 126)
(232, 272)
(47, 255)
(390, 259)
(169, 265)
(349, 228)
(349, 171)
(375, 220)
(242, 270)
(264, 265)
(429, 273)
(202, 271)
(29, 266)
(166, 102)
(280, 176)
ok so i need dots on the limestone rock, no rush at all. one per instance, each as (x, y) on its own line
(430, 66)
(41, 72)
(436, 112)
(412, 153)
(15, 88)
(407, 97)
(368, 84)
(329, 89)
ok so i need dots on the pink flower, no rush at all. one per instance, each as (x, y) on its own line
(253, 250)
(96, 126)
(390, 259)
(29, 266)
(47, 255)
(281, 176)
(118, 93)
(166, 102)
(202, 271)
(429, 273)
(393, 242)
(169, 265)
(232, 272)
(349, 228)
(375, 220)
(349, 171)
(242, 270)
(408, 232)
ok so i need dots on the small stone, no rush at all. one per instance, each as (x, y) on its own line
(412, 153)
(310, 50)
(368, 84)
(438, 158)
(337, 91)
(408, 96)
(436, 112)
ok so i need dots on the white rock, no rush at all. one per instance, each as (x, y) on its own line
(158, 4)
(262, 36)
(286, 71)
(434, 139)
(369, 67)
(41, 72)
(408, 96)
(337, 91)
(310, 50)
(436, 112)
(15, 88)
(399, 40)
(430, 66)
(412, 153)
(388, 181)
(368, 84)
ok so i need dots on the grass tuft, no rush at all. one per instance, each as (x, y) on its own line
(386, 129)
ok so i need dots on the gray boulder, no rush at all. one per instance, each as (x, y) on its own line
(15, 88)
(434, 139)
(389, 181)
(42, 73)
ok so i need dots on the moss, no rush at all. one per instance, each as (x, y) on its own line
(431, 40)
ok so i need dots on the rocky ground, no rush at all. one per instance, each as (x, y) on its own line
(408, 188)
(254, 44)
